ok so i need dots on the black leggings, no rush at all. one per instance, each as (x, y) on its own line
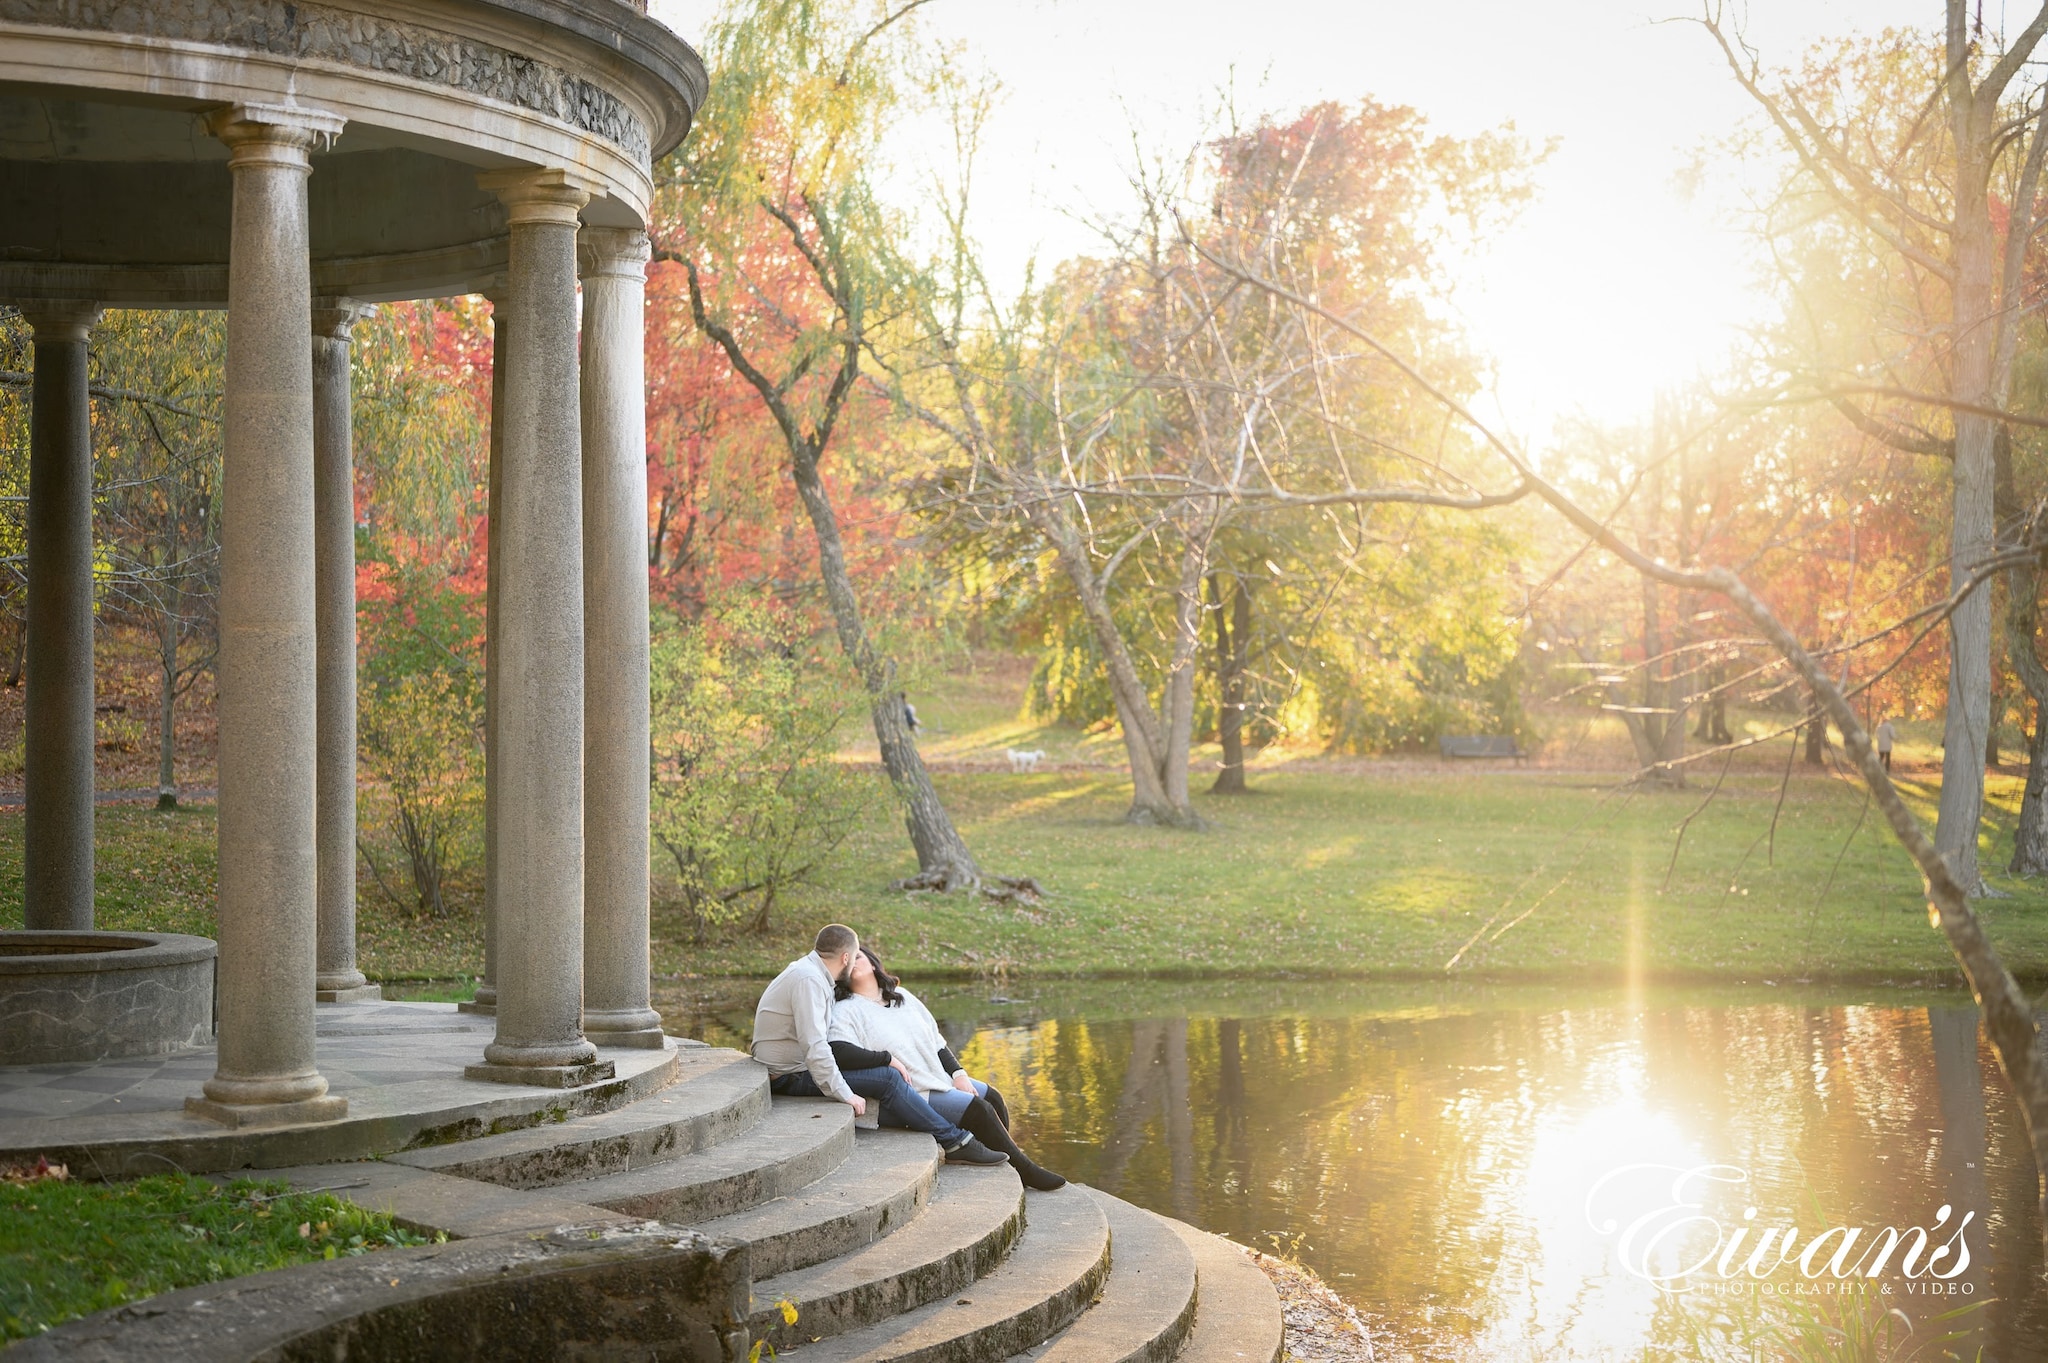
(987, 1119)
(982, 1121)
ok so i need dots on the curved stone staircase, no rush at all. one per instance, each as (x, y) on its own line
(860, 1245)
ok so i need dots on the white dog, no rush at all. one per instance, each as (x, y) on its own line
(1026, 760)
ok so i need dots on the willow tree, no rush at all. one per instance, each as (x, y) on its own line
(770, 212)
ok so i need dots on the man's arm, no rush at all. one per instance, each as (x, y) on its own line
(813, 1014)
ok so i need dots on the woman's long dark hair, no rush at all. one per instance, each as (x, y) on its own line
(843, 989)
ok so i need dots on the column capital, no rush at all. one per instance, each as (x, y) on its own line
(619, 251)
(278, 134)
(61, 319)
(335, 318)
(550, 194)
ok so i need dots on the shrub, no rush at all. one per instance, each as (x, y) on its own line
(118, 731)
(748, 796)
(420, 738)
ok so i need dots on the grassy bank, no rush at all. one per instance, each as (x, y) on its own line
(1387, 870)
(68, 1249)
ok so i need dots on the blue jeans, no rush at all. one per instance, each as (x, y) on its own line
(952, 1104)
(900, 1104)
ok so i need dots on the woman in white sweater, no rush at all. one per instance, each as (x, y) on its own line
(876, 1021)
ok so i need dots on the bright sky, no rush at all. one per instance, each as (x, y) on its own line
(1610, 286)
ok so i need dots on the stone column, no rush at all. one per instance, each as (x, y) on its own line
(539, 660)
(615, 753)
(57, 885)
(268, 917)
(337, 979)
(485, 1000)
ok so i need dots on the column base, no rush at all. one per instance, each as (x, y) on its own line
(544, 1076)
(636, 1027)
(361, 993)
(640, 1038)
(305, 1112)
(488, 1010)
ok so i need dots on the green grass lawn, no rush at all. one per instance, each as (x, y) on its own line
(1390, 872)
(68, 1249)
(1533, 875)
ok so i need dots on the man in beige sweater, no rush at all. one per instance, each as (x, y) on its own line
(792, 1026)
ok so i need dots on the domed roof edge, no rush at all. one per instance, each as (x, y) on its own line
(644, 41)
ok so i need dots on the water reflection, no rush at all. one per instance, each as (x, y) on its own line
(1431, 1153)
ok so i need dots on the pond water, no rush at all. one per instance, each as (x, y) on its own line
(1495, 1174)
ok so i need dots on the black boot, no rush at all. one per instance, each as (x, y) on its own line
(980, 1119)
(994, 1098)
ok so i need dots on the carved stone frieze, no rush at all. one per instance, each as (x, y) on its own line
(312, 32)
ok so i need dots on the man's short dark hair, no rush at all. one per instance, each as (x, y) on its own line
(835, 938)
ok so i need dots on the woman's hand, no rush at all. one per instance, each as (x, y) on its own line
(962, 1082)
(900, 1068)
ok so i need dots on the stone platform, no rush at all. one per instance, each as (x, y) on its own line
(399, 1065)
(698, 1222)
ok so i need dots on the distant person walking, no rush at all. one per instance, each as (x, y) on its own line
(1886, 737)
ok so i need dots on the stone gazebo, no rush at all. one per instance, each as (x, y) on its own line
(293, 162)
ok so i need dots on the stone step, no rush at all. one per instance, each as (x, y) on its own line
(461, 1208)
(885, 1182)
(797, 1142)
(1147, 1305)
(973, 1218)
(1046, 1281)
(1237, 1312)
(717, 1095)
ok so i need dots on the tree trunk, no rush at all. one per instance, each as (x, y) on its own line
(1976, 325)
(1233, 641)
(1657, 728)
(1996, 717)
(2030, 837)
(1672, 746)
(1815, 731)
(1704, 731)
(1151, 799)
(167, 713)
(942, 855)
(1178, 758)
(2022, 621)
(1713, 725)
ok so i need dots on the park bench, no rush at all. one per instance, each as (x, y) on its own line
(1479, 745)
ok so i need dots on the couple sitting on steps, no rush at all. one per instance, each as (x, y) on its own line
(834, 1024)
